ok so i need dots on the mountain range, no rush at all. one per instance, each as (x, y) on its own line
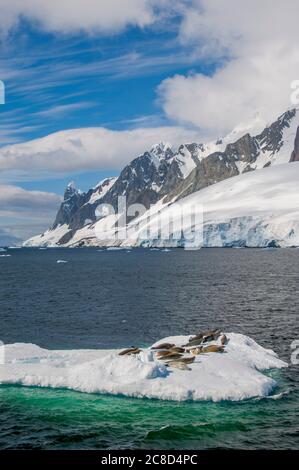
(235, 179)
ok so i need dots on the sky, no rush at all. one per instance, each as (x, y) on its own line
(91, 84)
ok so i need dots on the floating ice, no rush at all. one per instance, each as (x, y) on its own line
(233, 375)
(115, 248)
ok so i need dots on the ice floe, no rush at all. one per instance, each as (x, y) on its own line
(236, 374)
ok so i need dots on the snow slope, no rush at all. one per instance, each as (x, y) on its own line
(101, 189)
(253, 209)
(234, 375)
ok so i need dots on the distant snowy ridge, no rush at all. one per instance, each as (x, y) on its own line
(162, 176)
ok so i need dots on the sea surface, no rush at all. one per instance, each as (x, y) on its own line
(104, 299)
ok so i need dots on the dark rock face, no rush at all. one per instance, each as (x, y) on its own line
(138, 181)
(144, 181)
(72, 201)
(238, 157)
(147, 178)
(271, 138)
(76, 209)
(210, 170)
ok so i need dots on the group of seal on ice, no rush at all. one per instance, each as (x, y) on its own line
(173, 356)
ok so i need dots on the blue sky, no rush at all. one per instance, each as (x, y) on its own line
(58, 82)
(137, 71)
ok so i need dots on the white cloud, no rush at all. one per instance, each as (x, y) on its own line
(24, 213)
(257, 42)
(14, 199)
(7, 237)
(104, 16)
(84, 149)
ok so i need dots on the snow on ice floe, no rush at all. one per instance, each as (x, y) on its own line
(233, 375)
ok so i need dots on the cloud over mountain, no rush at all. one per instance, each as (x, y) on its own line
(255, 45)
(22, 212)
(84, 149)
(15, 199)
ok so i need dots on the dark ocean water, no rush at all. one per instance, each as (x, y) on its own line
(103, 299)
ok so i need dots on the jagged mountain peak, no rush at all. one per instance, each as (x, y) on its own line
(162, 150)
(273, 145)
(71, 190)
(104, 182)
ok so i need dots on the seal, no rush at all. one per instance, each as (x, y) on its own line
(177, 349)
(127, 352)
(193, 342)
(178, 365)
(167, 353)
(207, 349)
(224, 340)
(204, 337)
(212, 348)
(199, 336)
(187, 360)
(163, 346)
(211, 335)
(196, 351)
(167, 357)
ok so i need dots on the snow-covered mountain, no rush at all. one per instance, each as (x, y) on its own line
(256, 209)
(162, 177)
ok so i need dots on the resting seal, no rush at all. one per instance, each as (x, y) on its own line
(223, 340)
(127, 352)
(166, 357)
(211, 335)
(205, 337)
(187, 360)
(194, 342)
(178, 365)
(212, 348)
(177, 349)
(163, 346)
